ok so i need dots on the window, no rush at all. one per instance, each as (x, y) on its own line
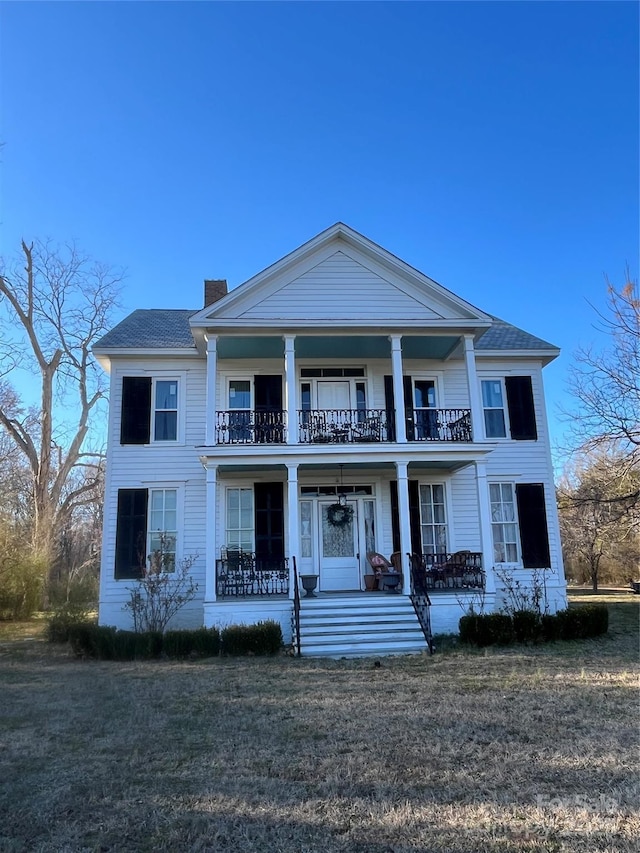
(493, 404)
(306, 529)
(146, 522)
(240, 394)
(504, 523)
(162, 532)
(521, 423)
(433, 521)
(240, 520)
(424, 414)
(165, 419)
(149, 410)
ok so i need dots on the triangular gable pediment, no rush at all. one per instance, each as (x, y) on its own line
(339, 276)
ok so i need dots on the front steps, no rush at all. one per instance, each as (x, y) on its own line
(359, 626)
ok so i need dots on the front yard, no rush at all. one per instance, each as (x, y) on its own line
(505, 750)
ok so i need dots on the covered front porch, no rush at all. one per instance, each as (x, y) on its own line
(331, 514)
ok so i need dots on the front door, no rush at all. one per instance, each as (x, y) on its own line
(338, 548)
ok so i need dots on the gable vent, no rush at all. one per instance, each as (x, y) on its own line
(214, 289)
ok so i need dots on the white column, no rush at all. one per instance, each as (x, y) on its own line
(486, 537)
(291, 388)
(212, 363)
(210, 534)
(293, 522)
(398, 387)
(405, 524)
(474, 392)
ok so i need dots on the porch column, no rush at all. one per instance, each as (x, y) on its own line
(293, 522)
(402, 470)
(474, 392)
(210, 534)
(290, 388)
(486, 537)
(398, 388)
(212, 363)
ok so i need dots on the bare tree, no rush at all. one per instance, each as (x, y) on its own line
(606, 387)
(54, 304)
(597, 517)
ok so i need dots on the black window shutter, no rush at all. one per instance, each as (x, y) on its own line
(414, 516)
(268, 393)
(131, 533)
(135, 421)
(269, 522)
(389, 402)
(395, 515)
(390, 406)
(522, 415)
(534, 534)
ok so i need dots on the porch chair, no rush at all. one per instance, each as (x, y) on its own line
(379, 564)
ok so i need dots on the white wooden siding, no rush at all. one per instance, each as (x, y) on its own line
(340, 288)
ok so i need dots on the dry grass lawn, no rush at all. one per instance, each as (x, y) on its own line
(525, 749)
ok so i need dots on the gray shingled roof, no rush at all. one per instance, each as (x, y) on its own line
(160, 328)
(503, 336)
(151, 328)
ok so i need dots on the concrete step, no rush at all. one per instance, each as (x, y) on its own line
(358, 626)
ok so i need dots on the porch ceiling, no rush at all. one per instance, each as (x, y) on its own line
(439, 465)
(335, 346)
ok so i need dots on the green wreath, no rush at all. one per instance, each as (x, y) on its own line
(338, 515)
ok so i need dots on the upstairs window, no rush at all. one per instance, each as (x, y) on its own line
(165, 418)
(520, 424)
(493, 404)
(149, 410)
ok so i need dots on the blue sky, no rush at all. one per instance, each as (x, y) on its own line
(492, 145)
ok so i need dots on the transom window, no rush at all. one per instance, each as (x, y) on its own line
(324, 491)
(162, 532)
(493, 404)
(240, 519)
(504, 523)
(433, 518)
(165, 417)
(331, 372)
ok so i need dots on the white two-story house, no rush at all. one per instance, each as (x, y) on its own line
(336, 405)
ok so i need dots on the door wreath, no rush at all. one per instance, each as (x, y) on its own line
(338, 515)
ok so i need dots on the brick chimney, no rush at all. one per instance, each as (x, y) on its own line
(214, 289)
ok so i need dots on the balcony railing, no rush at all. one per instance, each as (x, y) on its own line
(240, 574)
(248, 427)
(439, 425)
(342, 426)
(433, 572)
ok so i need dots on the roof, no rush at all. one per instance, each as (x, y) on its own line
(151, 328)
(503, 336)
(168, 328)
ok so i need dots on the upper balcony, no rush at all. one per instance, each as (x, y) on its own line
(342, 426)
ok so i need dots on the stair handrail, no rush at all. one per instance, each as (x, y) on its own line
(296, 605)
(422, 605)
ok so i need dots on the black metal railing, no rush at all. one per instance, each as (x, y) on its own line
(422, 606)
(240, 574)
(296, 609)
(438, 425)
(442, 572)
(342, 426)
(248, 427)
